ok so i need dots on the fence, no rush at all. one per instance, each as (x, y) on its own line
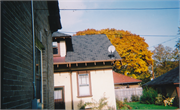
(127, 93)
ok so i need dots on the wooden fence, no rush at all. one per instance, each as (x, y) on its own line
(127, 93)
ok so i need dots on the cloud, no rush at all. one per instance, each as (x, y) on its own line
(71, 17)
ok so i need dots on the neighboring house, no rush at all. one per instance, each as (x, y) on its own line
(167, 83)
(126, 86)
(26, 53)
(82, 70)
(121, 81)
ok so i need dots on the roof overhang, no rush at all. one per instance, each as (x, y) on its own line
(160, 84)
(83, 65)
(54, 16)
(176, 83)
(128, 82)
(95, 61)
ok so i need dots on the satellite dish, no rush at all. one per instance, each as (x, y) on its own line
(111, 49)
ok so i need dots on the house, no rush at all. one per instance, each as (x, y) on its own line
(121, 81)
(126, 86)
(167, 84)
(27, 77)
(82, 70)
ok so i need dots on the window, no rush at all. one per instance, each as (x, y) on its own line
(84, 85)
(58, 94)
(55, 47)
(59, 48)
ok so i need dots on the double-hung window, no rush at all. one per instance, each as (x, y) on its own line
(55, 48)
(84, 85)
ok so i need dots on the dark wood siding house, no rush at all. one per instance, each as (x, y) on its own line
(26, 53)
(167, 83)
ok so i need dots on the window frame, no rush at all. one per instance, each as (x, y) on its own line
(58, 48)
(90, 88)
(39, 75)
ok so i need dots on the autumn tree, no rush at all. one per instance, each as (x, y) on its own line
(132, 48)
(165, 59)
(178, 44)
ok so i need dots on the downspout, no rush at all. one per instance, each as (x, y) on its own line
(32, 13)
(48, 73)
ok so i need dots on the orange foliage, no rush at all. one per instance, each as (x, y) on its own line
(132, 48)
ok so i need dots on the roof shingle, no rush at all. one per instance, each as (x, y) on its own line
(90, 48)
(167, 78)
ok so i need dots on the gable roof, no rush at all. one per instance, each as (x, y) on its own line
(90, 48)
(122, 79)
(167, 78)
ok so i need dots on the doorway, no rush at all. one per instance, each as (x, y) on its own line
(59, 102)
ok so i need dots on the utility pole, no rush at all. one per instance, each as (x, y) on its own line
(152, 72)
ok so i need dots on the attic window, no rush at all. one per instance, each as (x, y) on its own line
(55, 47)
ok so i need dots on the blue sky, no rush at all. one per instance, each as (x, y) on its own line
(156, 26)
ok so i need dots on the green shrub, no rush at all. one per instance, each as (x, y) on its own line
(81, 105)
(121, 105)
(159, 100)
(135, 98)
(125, 100)
(149, 96)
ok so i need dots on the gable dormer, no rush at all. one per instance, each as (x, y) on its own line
(61, 44)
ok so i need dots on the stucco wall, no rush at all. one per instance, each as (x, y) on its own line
(101, 83)
(63, 79)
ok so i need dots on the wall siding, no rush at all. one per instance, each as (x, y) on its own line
(17, 57)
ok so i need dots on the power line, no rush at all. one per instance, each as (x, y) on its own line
(148, 36)
(164, 42)
(78, 9)
(134, 34)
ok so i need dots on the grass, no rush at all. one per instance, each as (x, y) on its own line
(138, 105)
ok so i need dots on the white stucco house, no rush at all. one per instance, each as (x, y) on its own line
(82, 70)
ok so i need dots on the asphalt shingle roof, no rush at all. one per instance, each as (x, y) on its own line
(90, 48)
(167, 78)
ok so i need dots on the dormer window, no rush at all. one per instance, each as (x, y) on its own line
(59, 49)
(55, 48)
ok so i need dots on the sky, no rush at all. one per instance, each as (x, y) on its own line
(156, 26)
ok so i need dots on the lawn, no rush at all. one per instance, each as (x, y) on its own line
(138, 105)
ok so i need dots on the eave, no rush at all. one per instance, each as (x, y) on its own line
(83, 65)
(128, 82)
(77, 62)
